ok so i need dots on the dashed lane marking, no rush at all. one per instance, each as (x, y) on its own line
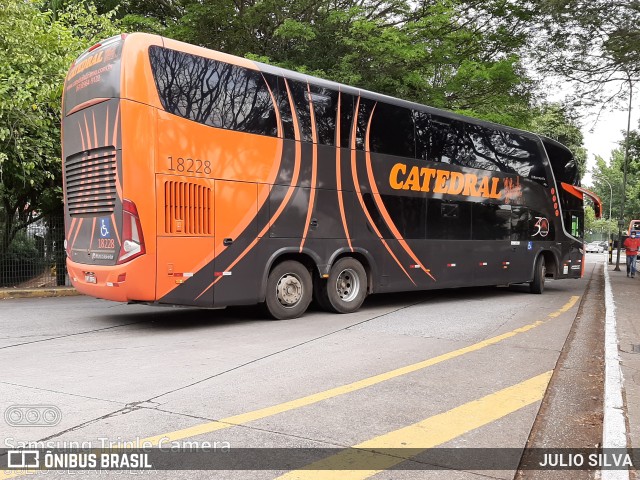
(425, 434)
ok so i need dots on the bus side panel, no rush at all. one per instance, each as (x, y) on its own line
(185, 216)
(138, 185)
(236, 228)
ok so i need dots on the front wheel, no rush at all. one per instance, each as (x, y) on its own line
(289, 290)
(539, 274)
(346, 287)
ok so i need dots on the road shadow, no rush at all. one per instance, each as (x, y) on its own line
(169, 317)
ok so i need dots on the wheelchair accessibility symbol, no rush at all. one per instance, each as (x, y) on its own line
(105, 224)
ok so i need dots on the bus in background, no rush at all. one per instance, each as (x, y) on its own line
(193, 177)
(634, 226)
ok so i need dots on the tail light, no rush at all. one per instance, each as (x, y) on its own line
(132, 239)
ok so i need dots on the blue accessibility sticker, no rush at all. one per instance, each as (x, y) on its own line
(529, 245)
(105, 227)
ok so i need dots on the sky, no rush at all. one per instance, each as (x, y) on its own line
(604, 137)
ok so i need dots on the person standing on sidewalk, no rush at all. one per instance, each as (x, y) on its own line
(632, 244)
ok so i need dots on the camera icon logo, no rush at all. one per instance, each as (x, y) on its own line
(32, 415)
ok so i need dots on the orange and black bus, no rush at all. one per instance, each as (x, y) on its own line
(192, 177)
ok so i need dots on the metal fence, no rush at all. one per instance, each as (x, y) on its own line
(35, 257)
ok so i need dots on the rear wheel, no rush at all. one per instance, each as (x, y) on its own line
(345, 289)
(288, 290)
(539, 274)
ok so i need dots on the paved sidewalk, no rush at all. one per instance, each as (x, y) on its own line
(626, 296)
(6, 293)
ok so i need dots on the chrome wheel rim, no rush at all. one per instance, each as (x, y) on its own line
(289, 290)
(348, 285)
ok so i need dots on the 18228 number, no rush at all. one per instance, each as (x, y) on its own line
(189, 165)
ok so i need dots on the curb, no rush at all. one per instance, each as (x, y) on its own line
(10, 293)
(614, 428)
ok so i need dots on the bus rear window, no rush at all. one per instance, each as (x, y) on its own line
(95, 74)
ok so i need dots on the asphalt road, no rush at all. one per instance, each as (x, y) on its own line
(454, 368)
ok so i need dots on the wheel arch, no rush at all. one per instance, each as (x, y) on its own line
(364, 257)
(308, 258)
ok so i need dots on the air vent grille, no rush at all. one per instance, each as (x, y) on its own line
(91, 181)
(187, 208)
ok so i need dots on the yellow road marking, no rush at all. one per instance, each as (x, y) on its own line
(243, 418)
(344, 389)
(428, 433)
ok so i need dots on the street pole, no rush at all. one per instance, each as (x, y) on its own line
(624, 178)
(609, 240)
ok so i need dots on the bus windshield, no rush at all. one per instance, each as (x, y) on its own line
(95, 74)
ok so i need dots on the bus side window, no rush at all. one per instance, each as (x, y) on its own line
(279, 90)
(520, 223)
(448, 220)
(491, 222)
(392, 131)
(325, 108)
(409, 214)
(301, 102)
(347, 105)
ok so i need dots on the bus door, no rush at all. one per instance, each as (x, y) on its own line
(236, 229)
(185, 240)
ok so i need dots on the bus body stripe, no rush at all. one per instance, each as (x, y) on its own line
(314, 168)
(354, 171)
(86, 126)
(285, 201)
(380, 203)
(339, 172)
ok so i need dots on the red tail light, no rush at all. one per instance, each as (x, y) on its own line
(132, 239)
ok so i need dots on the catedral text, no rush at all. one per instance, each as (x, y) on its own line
(424, 179)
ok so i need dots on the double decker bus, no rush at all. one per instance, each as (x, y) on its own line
(193, 177)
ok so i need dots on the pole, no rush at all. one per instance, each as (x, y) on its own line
(609, 241)
(624, 178)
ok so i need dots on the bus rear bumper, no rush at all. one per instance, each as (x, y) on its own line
(132, 281)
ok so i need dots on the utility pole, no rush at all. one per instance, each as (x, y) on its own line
(624, 178)
(609, 240)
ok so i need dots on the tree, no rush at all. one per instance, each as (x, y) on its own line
(560, 122)
(35, 53)
(461, 55)
(613, 173)
(593, 43)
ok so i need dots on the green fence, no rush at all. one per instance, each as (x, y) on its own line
(35, 257)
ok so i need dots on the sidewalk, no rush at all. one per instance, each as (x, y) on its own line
(626, 297)
(6, 293)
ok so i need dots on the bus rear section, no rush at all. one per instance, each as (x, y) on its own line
(104, 234)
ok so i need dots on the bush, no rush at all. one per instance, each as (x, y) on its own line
(21, 262)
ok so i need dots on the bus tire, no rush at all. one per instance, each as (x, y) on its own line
(539, 274)
(289, 290)
(346, 287)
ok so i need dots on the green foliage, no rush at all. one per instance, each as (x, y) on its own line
(613, 172)
(35, 53)
(593, 43)
(560, 123)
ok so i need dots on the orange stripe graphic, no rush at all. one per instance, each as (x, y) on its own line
(314, 168)
(86, 125)
(380, 204)
(115, 228)
(106, 129)
(76, 234)
(114, 142)
(81, 136)
(354, 171)
(95, 129)
(285, 201)
(339, 173)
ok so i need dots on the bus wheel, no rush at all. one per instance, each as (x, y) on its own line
(288, 290)
(539, 274)
(346, 287)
